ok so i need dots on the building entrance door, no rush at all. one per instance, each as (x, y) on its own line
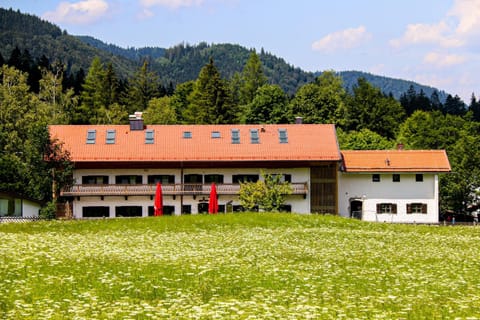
(356, 208)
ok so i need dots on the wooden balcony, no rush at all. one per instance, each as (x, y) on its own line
(82, 190)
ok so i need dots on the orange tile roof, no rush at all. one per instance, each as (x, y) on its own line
(396, 161)
(306, 142)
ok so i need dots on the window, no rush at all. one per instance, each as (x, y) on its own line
(149, 136)
(284, 177)
(235, 136)
(10, 206)
(395, 177)
(91, 136)
(187, 209)
(285, 208)
(128, 211)
(187, 134)
(254, 136)
(386, 208)
(95, 212)
(127, 179)
(419, 177)
(167, 211)
(214, 178)
(95, 180)
(110, 138)
(416, 208)
(375, 177)
(193, 182)
(237, 178)
(215, 134)
(162, 178)
(282, 135)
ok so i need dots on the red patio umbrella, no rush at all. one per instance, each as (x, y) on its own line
(158, 204)
(213, 201)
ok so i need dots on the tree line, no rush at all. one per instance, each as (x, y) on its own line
(365, 117)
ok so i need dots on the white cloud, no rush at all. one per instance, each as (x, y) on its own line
(173, 4)
(467, 12)
(439, 34)
(344, 39)
(443, 60)
(458, 26)
(81, 12)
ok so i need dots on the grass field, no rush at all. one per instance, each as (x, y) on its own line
(238, 266)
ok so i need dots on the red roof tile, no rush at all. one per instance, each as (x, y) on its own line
(396, 161)
(306, 142)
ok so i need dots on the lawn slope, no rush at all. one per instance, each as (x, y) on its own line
(238, 266)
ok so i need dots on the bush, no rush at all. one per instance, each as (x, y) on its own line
(49, 211)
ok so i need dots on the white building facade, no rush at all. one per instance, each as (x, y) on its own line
(391, 186)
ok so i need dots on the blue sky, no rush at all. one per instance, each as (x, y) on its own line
(433, 42)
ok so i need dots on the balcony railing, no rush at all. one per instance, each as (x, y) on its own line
(167, 189)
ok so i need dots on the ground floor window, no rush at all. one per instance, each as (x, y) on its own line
(202, 207)
(167, 211)
(10, 206)
(386, 208)
(95, 212)
(285, 208)
(416, 208)
(186, 209)
(128, 211)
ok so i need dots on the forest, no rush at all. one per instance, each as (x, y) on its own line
(35, 93)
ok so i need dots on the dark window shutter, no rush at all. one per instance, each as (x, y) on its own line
(378, 207)
(394, 208)
(424, 208)
(409, 208)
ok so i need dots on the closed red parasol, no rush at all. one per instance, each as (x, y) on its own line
(158, 205)
(213, 201)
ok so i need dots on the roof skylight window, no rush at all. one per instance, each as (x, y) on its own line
(187, 134)
(282, 135)
(91, 136)
(254, 138)
(235, 136)
(215, 134)
(110, 138)
(149, 136)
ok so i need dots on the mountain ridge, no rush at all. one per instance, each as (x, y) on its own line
(174, 65)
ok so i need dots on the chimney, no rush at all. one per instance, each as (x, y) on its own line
(400, 146)
(298, 120)
(136, 121)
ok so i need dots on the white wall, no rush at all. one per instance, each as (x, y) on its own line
(360, 186)
(299, 203)
(30, 208)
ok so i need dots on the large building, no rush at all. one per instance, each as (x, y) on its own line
(118, 166)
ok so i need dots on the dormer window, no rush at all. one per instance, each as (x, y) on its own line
(110, 138)
(254, 136)
(91, 136)
(149, 136)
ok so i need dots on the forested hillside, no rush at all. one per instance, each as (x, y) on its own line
(41, 38)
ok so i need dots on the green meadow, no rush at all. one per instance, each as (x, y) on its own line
(238, 266)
